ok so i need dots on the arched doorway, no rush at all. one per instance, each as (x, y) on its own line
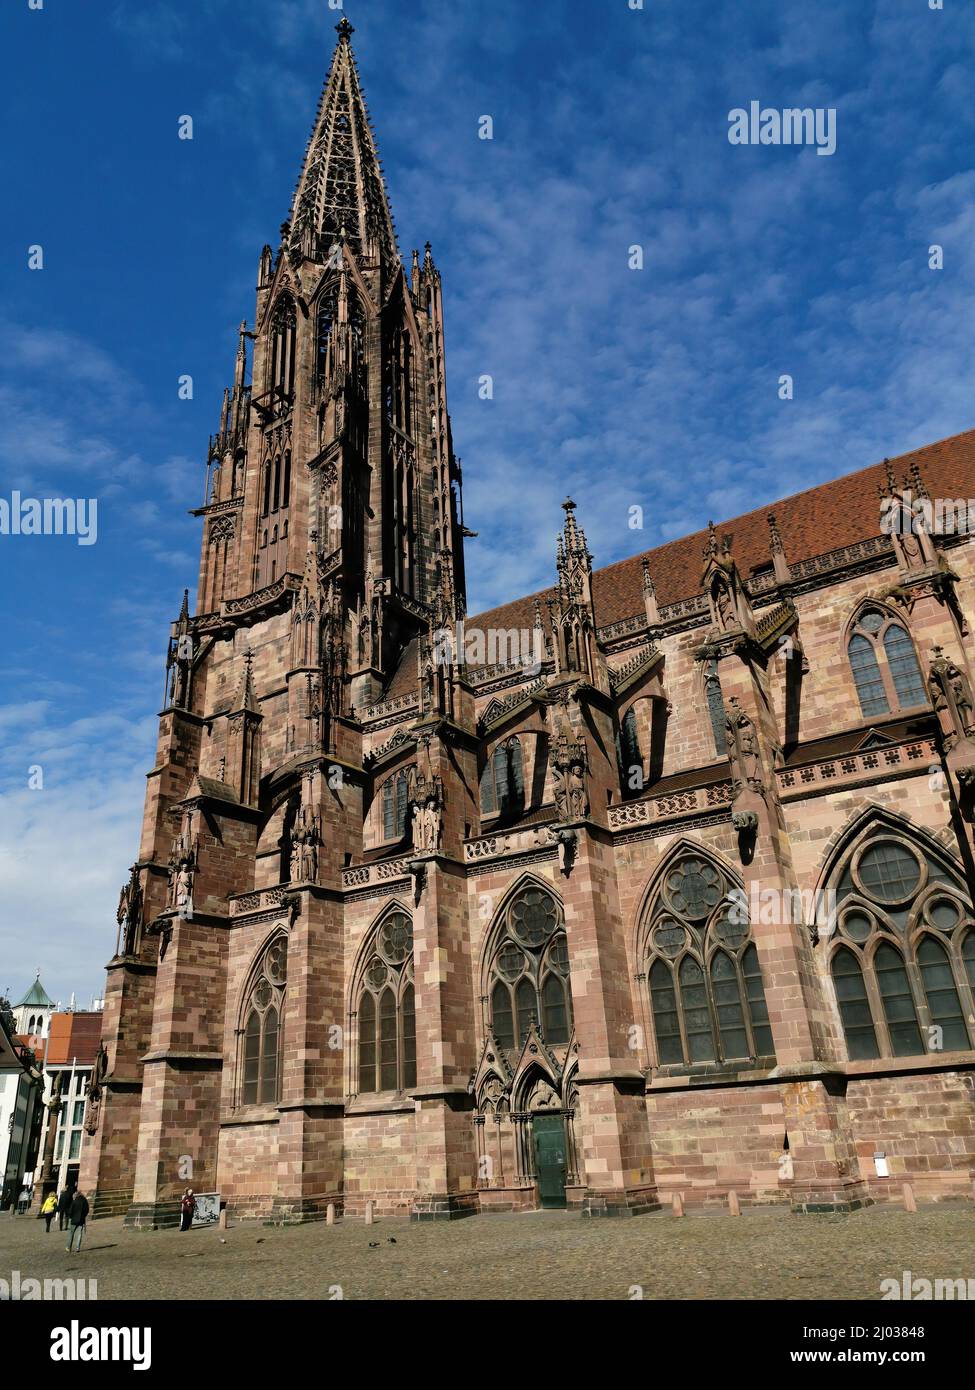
(549, 1143)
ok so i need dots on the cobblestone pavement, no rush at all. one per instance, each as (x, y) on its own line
(762, 1254)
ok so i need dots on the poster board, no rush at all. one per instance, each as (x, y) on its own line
(207, 1209)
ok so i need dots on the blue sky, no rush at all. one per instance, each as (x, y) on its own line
(656, 387)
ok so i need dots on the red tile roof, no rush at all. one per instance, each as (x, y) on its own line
(810, 523)
(73, 1037)
(824, 518)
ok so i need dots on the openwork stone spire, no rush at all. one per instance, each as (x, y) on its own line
(573, 560)
(341, 194)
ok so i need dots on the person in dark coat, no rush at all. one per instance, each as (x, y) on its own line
(187, 1210)
(64, 1207)
(78, 1215)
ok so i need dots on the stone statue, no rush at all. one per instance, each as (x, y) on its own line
(951, 696)
(129, 913)
(427, 815)
(743, 750)
(569, 762)
(723, 605)
(297, 837)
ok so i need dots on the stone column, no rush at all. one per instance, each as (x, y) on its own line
(825, 1170)
(446, 1175)
(310, 1130)
(616, 1163)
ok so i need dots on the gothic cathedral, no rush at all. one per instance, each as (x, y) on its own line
(659, 881)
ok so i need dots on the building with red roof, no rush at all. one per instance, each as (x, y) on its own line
(657, 881)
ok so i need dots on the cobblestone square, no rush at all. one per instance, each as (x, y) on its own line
(541, 1255)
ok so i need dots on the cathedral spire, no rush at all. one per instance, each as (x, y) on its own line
(341, 194)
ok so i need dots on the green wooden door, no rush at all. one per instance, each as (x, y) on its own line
(548, 1132)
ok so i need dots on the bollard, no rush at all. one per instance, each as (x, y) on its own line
(734, 1206)
(330, 1214)
(677, 1203)
(222, 1223)
(910, 1202)
(369, 1213)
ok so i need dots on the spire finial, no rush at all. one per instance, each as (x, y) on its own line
(344, 30)
(917, 482)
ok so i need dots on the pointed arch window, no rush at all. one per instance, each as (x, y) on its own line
(503, 779)
(716, 709)
(260, 1081)
(528, 979)
(968, 958)
(854, 1006)
(326, 319)
(707, 995)
(266, 504)
(629, 755)
(399, 382)
(386, 1011)
(884, 664)
(395, 796)
(281, 368)
(902, 965)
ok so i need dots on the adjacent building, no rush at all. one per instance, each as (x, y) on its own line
(69, 1061)
(20, 1108)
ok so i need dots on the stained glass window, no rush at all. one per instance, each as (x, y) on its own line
(386, 1015)
(884, 665)
(707, 995)
(910, 995)
(529, 973)
(261, 1049)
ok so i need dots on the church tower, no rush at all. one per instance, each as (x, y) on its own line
(435, 927)
(332, 540)
(341, 444)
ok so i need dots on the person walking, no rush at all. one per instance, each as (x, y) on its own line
(78, 1215)
(187, 1210)
(49, 1208)
(64, 1207)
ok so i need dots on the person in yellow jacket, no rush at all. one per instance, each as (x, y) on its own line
(49, 1209)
